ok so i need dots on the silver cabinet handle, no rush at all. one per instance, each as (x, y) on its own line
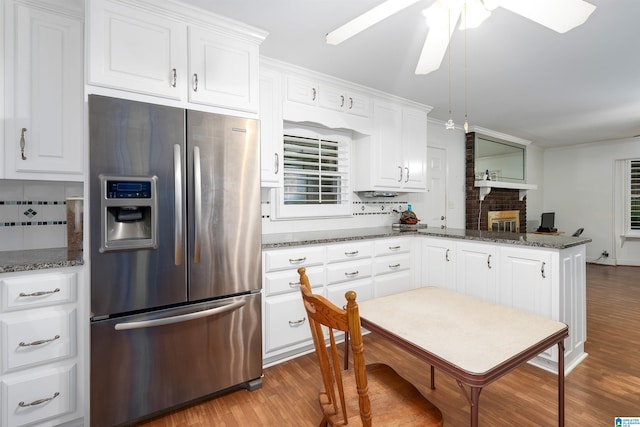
(352, 274)
(38, 342)
(350, 103)
(174, 77)
(341, 101)
(400, 167)
(39, 293)
(446, 255)
(22, 143)
(394, 266)
(294, 284)
(195, 82)
(39, 402)
(297, 260)
(197, 202)
(178, 319)
(542, 271)
(489, 261)
(296, 323)
(394, 248)
(352, 253)
(177, 205)
(407, 178)
(277, 163)
(313, 94)
(442, 217)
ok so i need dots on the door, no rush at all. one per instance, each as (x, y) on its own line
(136, 139)
(151, 362)
(437, 187)
(224, 205)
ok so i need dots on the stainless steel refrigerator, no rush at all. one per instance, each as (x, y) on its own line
(175, 257)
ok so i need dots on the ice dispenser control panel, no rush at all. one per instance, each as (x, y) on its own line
(129, 213)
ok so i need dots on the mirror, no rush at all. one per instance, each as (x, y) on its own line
(503, 159)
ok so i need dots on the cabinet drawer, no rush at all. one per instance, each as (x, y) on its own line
(289, 280)
(293, 257)
(349, 251)
(391, 264)
(37, 336)
(388, 284)
(363, 289)
(286, 322)
(346, 271)
(37, 396)
(37, 290)
(392, 246)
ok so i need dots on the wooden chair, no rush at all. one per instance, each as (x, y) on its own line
(367, 392)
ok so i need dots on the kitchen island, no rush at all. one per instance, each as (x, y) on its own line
(536, 273)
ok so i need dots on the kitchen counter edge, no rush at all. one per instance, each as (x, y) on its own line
(283, 240)
(38, 259)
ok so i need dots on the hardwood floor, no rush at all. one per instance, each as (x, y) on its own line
(605, 385)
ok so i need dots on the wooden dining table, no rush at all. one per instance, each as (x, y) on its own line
(474, 341)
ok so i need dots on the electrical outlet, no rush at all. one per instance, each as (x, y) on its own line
(605, 254)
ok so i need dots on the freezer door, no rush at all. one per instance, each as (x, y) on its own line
(131, 139)
(148, 363)
(224, 222)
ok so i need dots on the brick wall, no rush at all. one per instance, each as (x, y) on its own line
(500, 199)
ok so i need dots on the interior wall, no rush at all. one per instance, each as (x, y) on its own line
(579, 188)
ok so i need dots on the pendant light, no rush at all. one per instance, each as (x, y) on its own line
(466, 116)
(449, 125)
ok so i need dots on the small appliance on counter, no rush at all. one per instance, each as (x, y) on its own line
(408, 221)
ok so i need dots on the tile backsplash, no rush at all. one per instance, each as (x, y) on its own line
(33, 213)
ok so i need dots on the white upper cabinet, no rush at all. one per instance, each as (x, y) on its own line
(395, 157)
(271, 128)
(177, 53)
(134, 50)
(44, 91)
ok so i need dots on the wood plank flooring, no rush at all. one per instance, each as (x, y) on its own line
(605, 385)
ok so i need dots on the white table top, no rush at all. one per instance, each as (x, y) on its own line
(472, 334)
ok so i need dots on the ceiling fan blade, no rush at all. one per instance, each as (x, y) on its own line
(438, 37)
(367, 19)
(558, 15)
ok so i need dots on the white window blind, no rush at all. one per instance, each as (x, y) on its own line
(316, 173)
(633, 222)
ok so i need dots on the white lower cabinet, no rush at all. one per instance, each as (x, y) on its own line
(39, 363)
(439, 263)
(476, 270)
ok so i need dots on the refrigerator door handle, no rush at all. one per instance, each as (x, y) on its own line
(177, 205)
(197, 199)
(178, 319)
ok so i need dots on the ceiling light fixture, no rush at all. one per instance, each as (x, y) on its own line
(558, 15)
(466, 115)
(449, 125)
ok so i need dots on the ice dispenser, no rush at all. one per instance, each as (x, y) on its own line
(129, 213)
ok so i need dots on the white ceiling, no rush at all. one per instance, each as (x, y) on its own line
(523, 79)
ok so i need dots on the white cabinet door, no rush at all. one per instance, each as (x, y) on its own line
(44, 94)
(476, 270)
(223, 71)
(271, 129)
(301, 90)
(134, 50)
(286, 322)
(414, 145)
(438, 266)
(340, 99)
(526, 279)
(387, 167)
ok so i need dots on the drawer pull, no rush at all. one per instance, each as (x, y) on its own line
(294, 284)
(352, 274)
(353, 253)
(39, 401)
(542, 270)
(296, 323)
(394, 266)
(489, 261)
(39, 294)
(446, 255)
(38, 342)
(297, 260)
(394, 248)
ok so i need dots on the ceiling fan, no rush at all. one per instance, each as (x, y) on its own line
(443, 15)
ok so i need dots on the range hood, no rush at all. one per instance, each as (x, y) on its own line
(372, 194)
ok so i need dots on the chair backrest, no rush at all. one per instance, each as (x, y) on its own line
(321, 312)
(578, 232)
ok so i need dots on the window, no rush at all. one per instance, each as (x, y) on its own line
(316, 173)
(633, 197)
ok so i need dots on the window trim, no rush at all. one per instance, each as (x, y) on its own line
(632, 191)
(282, 211)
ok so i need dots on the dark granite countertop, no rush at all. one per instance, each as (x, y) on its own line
(281, 240)
(38, 259)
